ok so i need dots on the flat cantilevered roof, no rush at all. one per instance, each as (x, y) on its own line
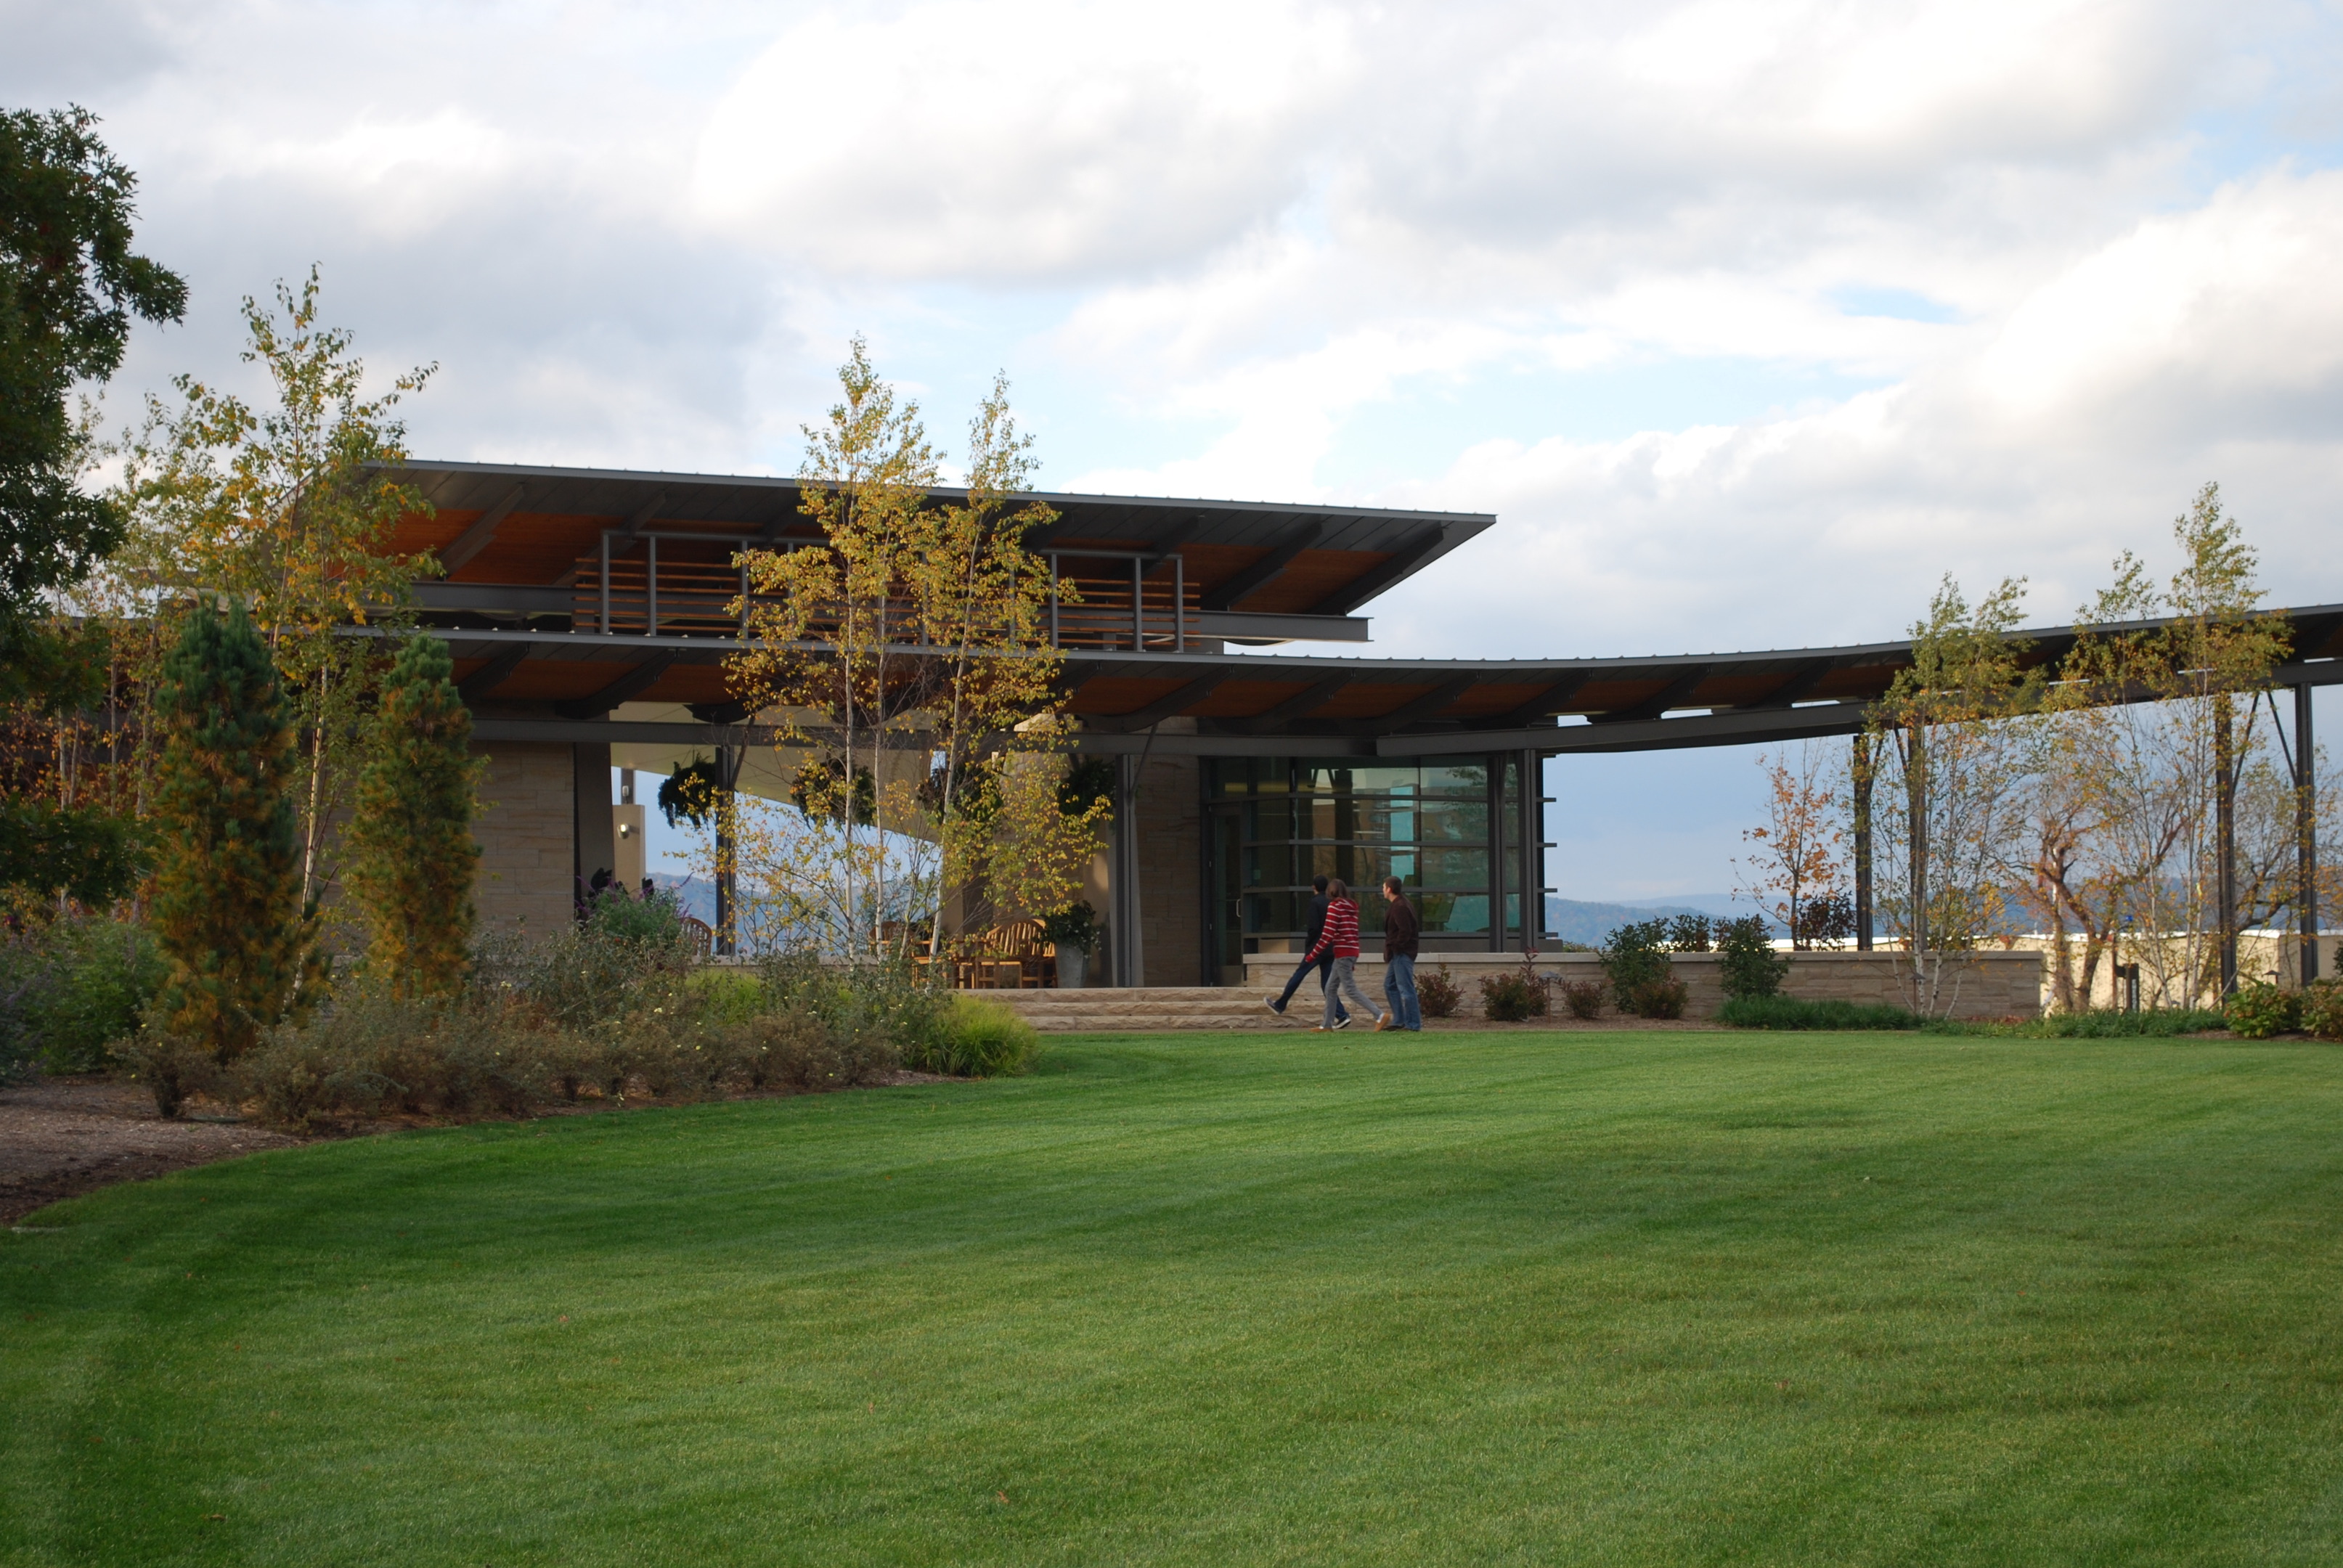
(552, 635)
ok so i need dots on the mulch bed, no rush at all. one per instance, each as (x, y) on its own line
(66, 1136)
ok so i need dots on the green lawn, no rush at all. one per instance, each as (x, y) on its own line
(1466, 1298)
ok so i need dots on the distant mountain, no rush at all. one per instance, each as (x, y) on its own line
(1588, 924)
(694, 895)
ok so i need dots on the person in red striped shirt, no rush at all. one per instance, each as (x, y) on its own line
(1339, 939)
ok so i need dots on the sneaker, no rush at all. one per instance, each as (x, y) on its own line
(1274, 1006)
(1385, 1025)
(1341, 1023)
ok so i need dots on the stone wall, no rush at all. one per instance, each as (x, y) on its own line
(526, 835)
(1982, 985)
(1170, 915)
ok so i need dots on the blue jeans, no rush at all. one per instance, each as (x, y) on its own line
(1399, 989)
(1326, 968)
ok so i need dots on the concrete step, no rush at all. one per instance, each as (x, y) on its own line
(1147, 1007)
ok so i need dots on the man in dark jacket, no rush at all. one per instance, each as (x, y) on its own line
(1324, 966)
(1400, 930)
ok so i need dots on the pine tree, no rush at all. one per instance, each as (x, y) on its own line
(412, 856)
(226, 909)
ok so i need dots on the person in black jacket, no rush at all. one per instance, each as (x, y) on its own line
(1402, 932)
(1324, 966)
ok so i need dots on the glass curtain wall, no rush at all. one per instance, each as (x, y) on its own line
(1443, 826)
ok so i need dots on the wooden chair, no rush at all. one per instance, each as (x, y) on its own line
(702, 934)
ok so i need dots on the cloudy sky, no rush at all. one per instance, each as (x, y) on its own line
(1748, 320)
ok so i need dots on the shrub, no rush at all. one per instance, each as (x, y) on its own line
(2258, 1010)
(2322, 1008)
(583, 976)
(1634, 955)
(977, 1039)
(1748, 966)
(171, 1067)
(616, 913)
(69, 989)
(1689, 934)
(2098, 1023)
(1662, 998)
(1507, 998)
(1581, 999)
(1437, 993)
(1794, 1012)
(374, 1053)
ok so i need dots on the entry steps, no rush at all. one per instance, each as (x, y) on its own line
(1148, 1007)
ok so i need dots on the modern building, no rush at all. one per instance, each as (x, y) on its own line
(588, 614)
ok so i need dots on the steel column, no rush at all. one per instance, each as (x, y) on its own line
(1122, 878)
(1529, 826)
(1862, 770)
(2305, 808)
(2225, 833)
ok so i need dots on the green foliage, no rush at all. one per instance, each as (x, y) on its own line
(1437, 994)
(2322, 1008)
(2097, 1023)
(1785, 1013)
(1583, 998)
(1748, 966)
(2259, 1010)
(226, 909)
(69, 285)
(689, 793)
(1087, 782)
(412, 856)
(616, 912)
(68, 987)
(1075, 926)
(977, 1040)
(1689, 934)
(88, 855)
(1634, 956)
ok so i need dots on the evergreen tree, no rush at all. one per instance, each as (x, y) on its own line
(412, 856)
(226, 908)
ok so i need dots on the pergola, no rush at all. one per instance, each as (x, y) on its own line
(574, 593)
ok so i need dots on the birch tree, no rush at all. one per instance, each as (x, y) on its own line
(285, 507)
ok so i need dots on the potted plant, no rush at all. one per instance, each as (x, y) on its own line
(1074, 929)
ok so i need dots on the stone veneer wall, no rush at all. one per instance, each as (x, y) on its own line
(526, 835)
(1170, 915)
(1983, 985)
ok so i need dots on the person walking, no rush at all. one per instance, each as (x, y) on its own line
(1401, 931)
(1340, 941)
(1325, 966)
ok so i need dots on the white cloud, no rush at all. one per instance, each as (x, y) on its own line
(979, 141)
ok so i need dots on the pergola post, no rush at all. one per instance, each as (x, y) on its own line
(2306, 808)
